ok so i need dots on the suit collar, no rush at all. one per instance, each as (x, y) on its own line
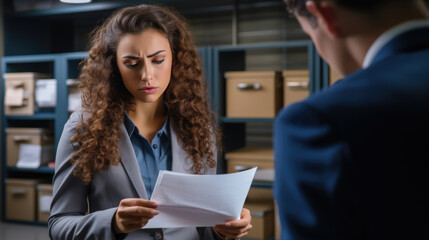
(408, 37)
(130, 164)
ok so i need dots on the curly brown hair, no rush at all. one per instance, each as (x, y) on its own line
(105, 98)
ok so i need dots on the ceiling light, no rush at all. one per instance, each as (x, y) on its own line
(75, 1)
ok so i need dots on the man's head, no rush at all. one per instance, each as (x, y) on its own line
(298, 7)
(343, 30)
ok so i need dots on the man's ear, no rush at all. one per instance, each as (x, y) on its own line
(324, 12)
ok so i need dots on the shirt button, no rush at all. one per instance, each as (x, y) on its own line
(155, 146)
(158, 236)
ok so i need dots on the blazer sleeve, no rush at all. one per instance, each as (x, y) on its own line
(309, 177)
(69, 204)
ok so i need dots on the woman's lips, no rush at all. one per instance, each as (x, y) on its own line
(148, 90)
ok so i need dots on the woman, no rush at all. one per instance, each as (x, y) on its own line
(144, 109)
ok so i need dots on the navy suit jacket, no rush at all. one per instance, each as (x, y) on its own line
(351, 161)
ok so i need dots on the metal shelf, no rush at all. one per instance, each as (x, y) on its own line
(36, 116)
(43, 169)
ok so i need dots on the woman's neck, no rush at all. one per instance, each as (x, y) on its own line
(149, 118)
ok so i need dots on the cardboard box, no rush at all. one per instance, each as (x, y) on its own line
(296, 86)
(260, 195)
(19, 92)
(249, 157)
(17, 136)
(253, 94)
(262, 220)
(44, 196)
(277, 227)
(21, 201)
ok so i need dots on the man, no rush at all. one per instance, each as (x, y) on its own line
(351, 161)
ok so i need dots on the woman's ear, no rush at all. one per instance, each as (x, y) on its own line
(324, 12)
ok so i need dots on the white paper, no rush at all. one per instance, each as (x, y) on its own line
(188, 200)
(45, 203)
(74, 100)
(34, 156)
(46, 93)
(29, 156)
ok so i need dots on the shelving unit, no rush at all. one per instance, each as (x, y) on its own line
(233, 58)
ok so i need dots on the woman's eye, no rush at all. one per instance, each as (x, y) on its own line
(131, 66)
(158, 61)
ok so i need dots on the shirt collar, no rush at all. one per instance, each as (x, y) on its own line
(389, 35)
(131, 127)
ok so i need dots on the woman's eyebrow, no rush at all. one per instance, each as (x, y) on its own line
(149, 56)
(131, 57)
(156, 53)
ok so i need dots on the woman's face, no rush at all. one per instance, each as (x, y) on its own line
(144, 61)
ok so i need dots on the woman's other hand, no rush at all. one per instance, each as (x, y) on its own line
(133, 214)
(235, 228)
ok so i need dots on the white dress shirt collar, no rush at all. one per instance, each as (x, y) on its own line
(389, 35)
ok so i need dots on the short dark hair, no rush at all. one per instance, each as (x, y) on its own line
(364, 6)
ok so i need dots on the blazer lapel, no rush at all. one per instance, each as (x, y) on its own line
(130, 164)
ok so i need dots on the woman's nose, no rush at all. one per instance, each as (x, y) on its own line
(147, 73)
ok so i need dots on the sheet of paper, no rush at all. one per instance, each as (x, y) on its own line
(46, 93)
(74, 99)
(29, 156)
(188, 200)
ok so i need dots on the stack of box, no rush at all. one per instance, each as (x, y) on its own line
(296, 85)
(28, 200)
(253, 94)
(19, 92)
(259, 200)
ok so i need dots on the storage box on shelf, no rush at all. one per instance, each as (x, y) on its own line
(277, 227)
(21, 200)
(36, 129)
(33, 136)
(253, 94)
(262, 220)
(44, 198)
(296, 85)
(19, 92)
(249, 157)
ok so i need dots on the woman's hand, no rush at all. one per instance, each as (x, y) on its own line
(235, 228)
(133, 214)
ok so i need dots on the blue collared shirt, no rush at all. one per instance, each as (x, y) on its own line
(151, 157)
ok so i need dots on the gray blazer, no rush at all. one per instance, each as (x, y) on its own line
(105, 191)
